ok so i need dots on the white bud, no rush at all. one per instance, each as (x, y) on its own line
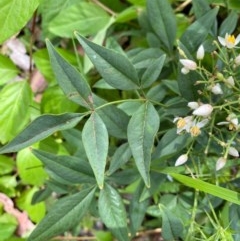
(220, 163)
(200, 52)
(188, 64)
(181, 160)
(237, 60)
(193, 105)
(216, 89)
(203, 110)
(233, 152)
(184, 70)
(230, 81)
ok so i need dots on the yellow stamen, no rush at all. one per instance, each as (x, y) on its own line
(231, 39)
(195, 131)
(181, 123)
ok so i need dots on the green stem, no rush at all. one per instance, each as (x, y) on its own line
(192, 221)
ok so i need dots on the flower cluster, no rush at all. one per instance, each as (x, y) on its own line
(220, 89)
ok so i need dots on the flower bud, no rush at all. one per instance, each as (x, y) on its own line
(181, 160)
(220, 76)
(188, 64)
(200, 52)
(203, 110)
(193, 105)
(233, 152)
(230, 81)
(237, 60)
(220, 163)
(216, 89)
(184, 70)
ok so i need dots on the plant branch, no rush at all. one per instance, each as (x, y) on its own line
(104, 7)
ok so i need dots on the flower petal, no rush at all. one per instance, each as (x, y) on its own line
(181, 160)
(237, 40)
(222, 41)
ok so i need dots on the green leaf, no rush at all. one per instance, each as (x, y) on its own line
(138, 2)
(198, 31)
(152, 72)
(114, 67)
(119, 158)
(200, 8)
(172, 227)
(229, 24)
(8, 225)
(15, 103)
(187, 85)
(142, 128)
(86, 18)
(127, 14)
(70, 80)
(114, 118)
(137, 209)
(157, 92)
(49, 9)
(163, 21)
(6, 165)
(7, 69)
(170, 144)
(41, 128)
(42, 61)
(74, 143)
(95, 141)
(99, 38)
(70, 169)
(214, 190)
(8, 185)
(36, 212)
(14, 16)
(113, 213)
(63, 215)
(234, 4)
(54, 101)
(30, 169)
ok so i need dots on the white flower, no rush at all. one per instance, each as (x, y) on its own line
(232, 118)
(183, 124)
(193, 105)
(195, 129)
(203, 110)
(229, 40)
(230, 81)
(233, 152)
(220, 163)
(181, 160)
(187, 65)
(237, 60)
(200, 52)
(216, 89)
(232, 122)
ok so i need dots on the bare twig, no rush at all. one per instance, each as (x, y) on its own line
(32, 40)
(74, 238)
(104, 7)
(182, 6)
